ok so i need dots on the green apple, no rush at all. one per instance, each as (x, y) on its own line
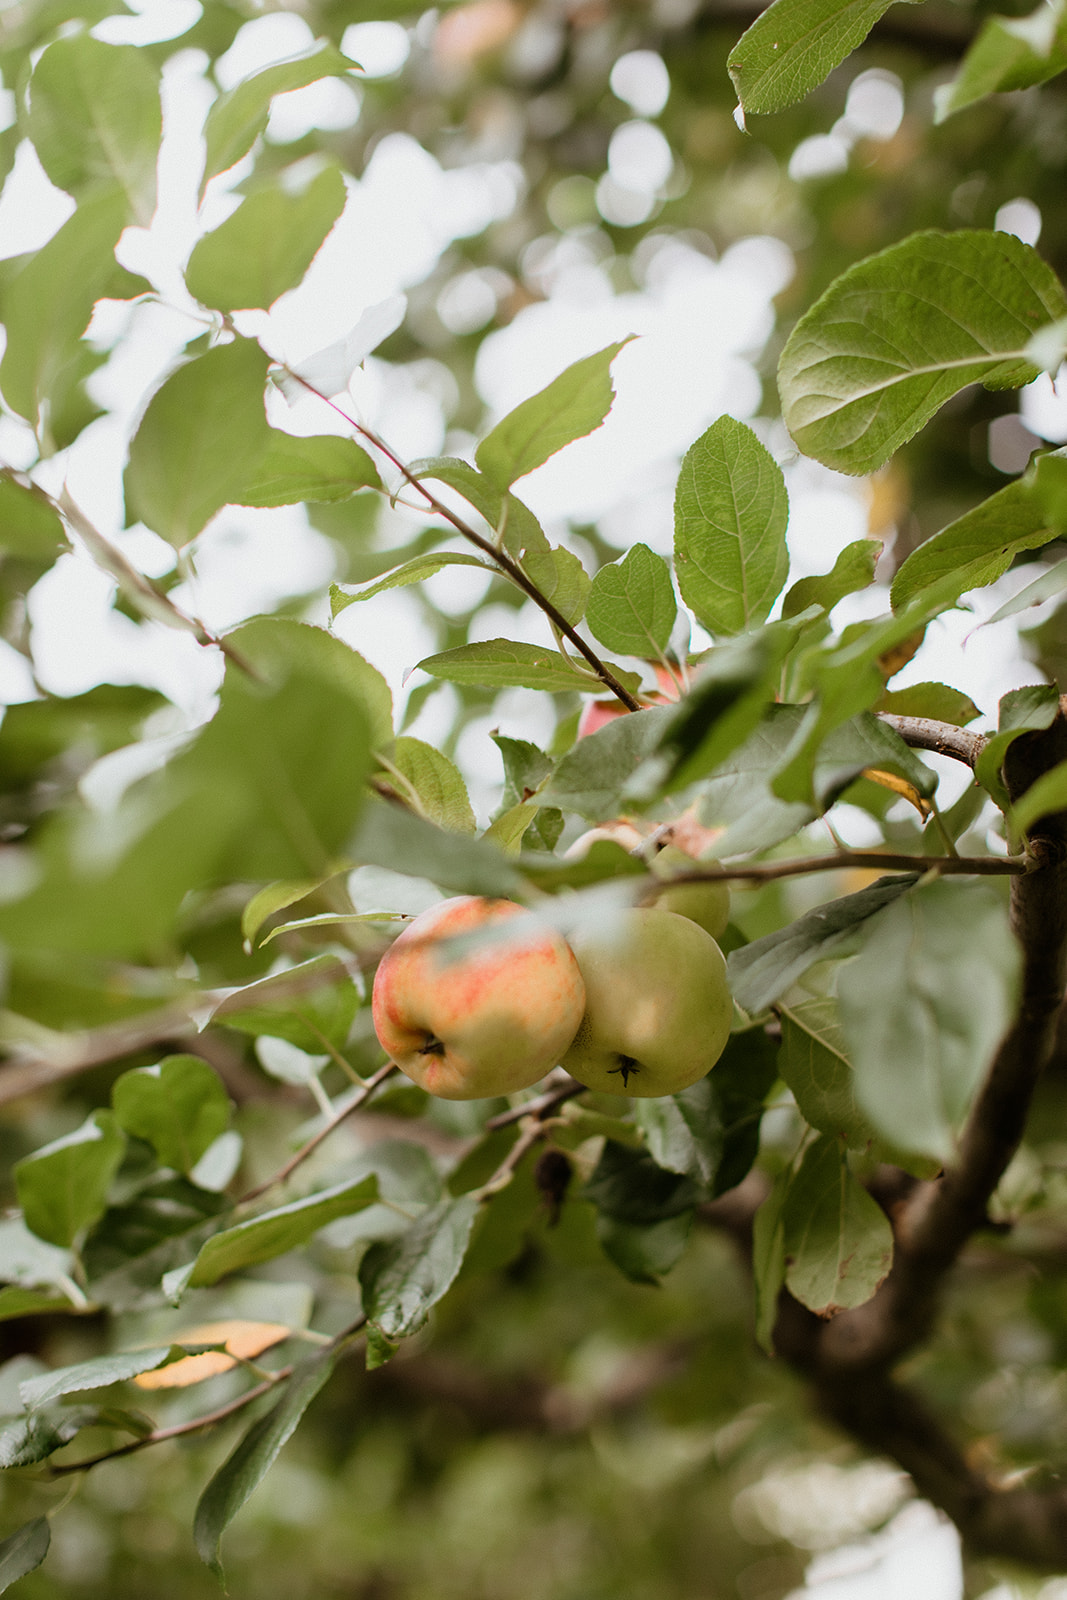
(468, 1009)
(707, 904)
(658, 1010)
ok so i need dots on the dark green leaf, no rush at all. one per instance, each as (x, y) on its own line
(631, 605)
(200, 442)
(630, 1186)
(15, 1302)
(761, 971)
(389, 836)
(741, 1080)
(26, 1440)
(275, 1232)
(525, 768)
(595, 775)
(684, 1131)
(794, 45)
(644, 1252)
(99, 1373)
(266, 245)
(504, 664)
(62, 1188)
(730, 514)
(853, 569)
(95, 117)
(23, 1551)
(179, 1107)
(240, 115)
(814, 1063)
(1024, 710)
(321, 468)
(924, 1006)
(864, 369)
(404, 1280)
(30, 528)
(768, 1260)
(244, 1470)
(838, 1242)
(312, 1005)
(572, 405)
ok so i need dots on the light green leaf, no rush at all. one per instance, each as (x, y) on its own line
(96, 1374)
(762, 971)
(240, 115)
(924, 1006)
(23, 1551)
(838, 1242)
(864, 369)
(512, 521)
(389, 836)
(312, 1005)
(505, 664)
(179, 1107)
(937, 701)
(730, 514)
(1052, 582)
(30, 528)
(814, 1062)
(47, 307)
(272, 898)
(853, 569)
(275, 1232)
(62, 1188)
(561, 578)
(402, 1281)
(794, 45)
(323, 468)
(244, 1470)
(412, 571)
(510, 828)
(200, 442)
(1045, 796)
(768, 1260)
(95, 117)
(632, 606)
(1009, 53)
(573, 405)
(977, 548)
(266, 245)
(16, 1302)
(593, 777)
(433, 782)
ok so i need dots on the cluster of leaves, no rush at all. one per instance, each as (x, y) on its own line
(220, 902)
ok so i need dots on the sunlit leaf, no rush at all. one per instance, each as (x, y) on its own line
(240, 115)
(631, 605)
(266, 245)
(1008, 53)
(794, 45)
(320, 468)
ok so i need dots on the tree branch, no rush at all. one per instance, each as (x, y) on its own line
(944, 738)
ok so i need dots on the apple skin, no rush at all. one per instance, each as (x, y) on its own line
(484, 1019)
(707, 904)
(658, 1009)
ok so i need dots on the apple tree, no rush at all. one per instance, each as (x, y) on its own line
(226, 1206)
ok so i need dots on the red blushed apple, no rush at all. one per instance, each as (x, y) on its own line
(468, 1017)
(597, 712)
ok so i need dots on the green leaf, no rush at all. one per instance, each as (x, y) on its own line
(924, 1006)
(36, 732)
(562, 579)
(99, 1373)
(266, 245)
(30, 528)
(794, 45)
(977, 548)
(15, 1302)
(413, 571)
(505, 664)
(312, 1005)
(1009, 53)
(95, 117)
(864, 369)
(1045, 796)
(761, 971)
(525, 769)
(404, 1280)
(838, 1242)
(200, 442)
(684, 1131)
(853, 570)
(320, 468)
(644, 1252)
(389, 836)
(245, 1468)
(62, 1188)
(240, 115)
(275, 1232)
(271, 899)
(593, 777)
(632, 606)
(512, 521)
(629, 1186)
(730, 514)
(743, 1077)
(1024, 710)
(48, 304)
(179, 1107)
(937, 701)
(23, 1551)
(433, 782)
(573, 405)
(815, 1064)
(1053, 581)
(768, 1260)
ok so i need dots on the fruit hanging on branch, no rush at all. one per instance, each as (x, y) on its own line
(658, 1008)
(468, 1009)
(705, 903)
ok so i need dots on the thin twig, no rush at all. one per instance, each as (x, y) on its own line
(501, 558)
(545, 1103)
(360, 1098)
(765, 871)
(539, 1116)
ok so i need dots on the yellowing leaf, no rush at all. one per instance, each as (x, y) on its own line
(243, 1340)
(901, 786)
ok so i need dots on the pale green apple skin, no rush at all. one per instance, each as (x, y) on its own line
(707, 904)
(658, 1008)
(479, 1020)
